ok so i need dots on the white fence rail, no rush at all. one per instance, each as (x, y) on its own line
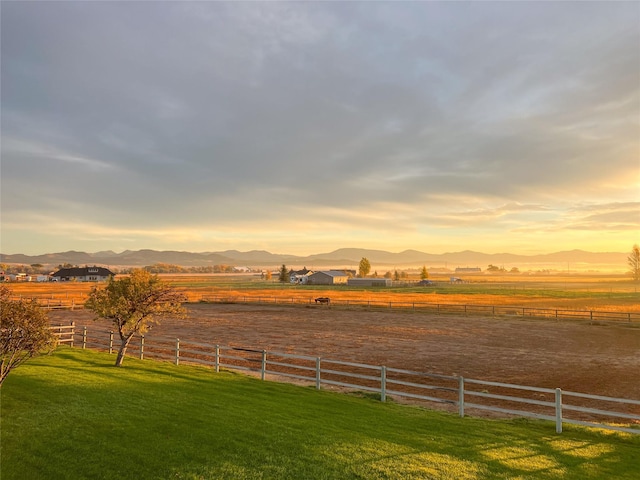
(556, 405)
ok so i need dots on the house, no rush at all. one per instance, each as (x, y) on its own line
(328, 277)
(300, 276)
(83, 274)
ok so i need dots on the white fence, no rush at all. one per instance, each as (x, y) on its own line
(459, 393)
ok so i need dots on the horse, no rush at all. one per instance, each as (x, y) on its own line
(325, 300)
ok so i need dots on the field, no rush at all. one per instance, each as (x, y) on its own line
(573, 355)
(72, 415)
(577, 291)
(201, 425)
(596, 359)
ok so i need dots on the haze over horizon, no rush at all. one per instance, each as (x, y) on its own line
(305, 127)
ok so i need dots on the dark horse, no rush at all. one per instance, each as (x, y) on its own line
(326, 300)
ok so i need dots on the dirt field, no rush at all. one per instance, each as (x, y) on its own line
(575, 356)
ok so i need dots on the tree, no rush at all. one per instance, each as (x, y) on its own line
(134, 304)
(24, 332)
(364, 268)
(633, 260)
(495, 269)
(423, 273)
(283, 275)
(396, 275)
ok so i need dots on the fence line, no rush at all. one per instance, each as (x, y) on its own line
(439, 308)
(505, 398)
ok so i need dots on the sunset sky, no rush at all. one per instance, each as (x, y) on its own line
(305, 127)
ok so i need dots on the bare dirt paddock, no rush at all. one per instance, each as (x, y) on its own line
(575, 356)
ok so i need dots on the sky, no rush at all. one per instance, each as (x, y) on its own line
(305, 127)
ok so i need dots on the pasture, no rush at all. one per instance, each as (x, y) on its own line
(73, 415)
(608, 292)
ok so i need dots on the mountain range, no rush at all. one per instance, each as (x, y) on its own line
(344, 257)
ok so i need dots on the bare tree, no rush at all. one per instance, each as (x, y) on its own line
(633, 260)
(134, 304)
(24, 332)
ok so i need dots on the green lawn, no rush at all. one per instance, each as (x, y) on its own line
(72, 415)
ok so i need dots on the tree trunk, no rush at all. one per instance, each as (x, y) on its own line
(123, 350)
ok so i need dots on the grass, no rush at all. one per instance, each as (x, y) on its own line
(72, 415)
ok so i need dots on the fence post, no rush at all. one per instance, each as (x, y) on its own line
(84, 337)
(264, 364)
(177, 351)
(383, 384)
(558, 410)
(141, 347)
(461, 396)
(111, 341)
(73, 304)
(317, 373)
(217, 358)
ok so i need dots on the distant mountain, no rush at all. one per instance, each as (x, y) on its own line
(343, 257)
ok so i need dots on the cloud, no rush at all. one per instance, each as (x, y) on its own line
(417, 116)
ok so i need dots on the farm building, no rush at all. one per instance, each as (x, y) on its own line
(83, 274)
(328, 277)
(300, 276)
(370, 282)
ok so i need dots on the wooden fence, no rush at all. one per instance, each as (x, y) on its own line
(592, 316)
(441, 308)
(459, 393)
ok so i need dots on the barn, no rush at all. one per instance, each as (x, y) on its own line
(370, 282)
(328, 277)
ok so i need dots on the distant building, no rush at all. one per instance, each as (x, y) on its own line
(328, 277)
(83, 274)
(300, 276)
(370, 282)
(468, 270)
